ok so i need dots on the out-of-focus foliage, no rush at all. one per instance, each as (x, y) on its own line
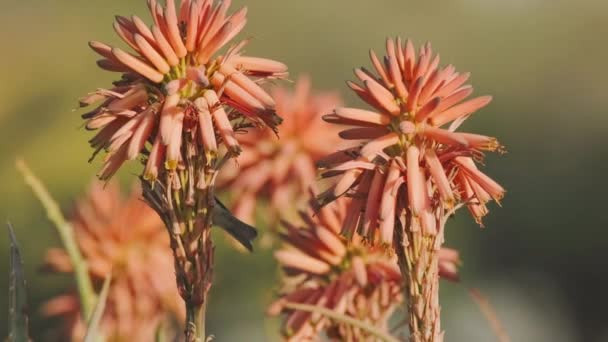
(540, 258)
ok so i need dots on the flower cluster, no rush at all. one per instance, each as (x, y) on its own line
(281, 170)
(124, 238)
(174, 89)
(409, 164)
(348, 277)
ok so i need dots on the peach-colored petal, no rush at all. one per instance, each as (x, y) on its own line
(299, 260)
(151, 54)
(102, 49)
(125, 34)
(137, 65)
(131, 99)
(382, 96)
(155, 160)
(363, 115)
(481, 142)
(394, 69)
(389, 204)
(360, 271)
(164, 46)
(454, 98)
(415, 184)
(174, 33)
(141, 134)
(372, 148)
(206, 129)
(439, 177)
(412, 101)
(372, 206)
(347, 180)
(487, 183)
(259, 65)
(453, 84)
(331, 241)
(192, 29)
(248, 85)
(170, 109)
(143, 29)
(222, 122)
(237, 93)
(444, 136)
(379, 67)
(428, 109)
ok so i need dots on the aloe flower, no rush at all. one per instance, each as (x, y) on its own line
(172, 86)
(281, 169)
(348, 277)
(412, 169)
(123, 237)
(177, 108)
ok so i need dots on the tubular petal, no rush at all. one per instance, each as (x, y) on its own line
(137, 65)
(460, 110)
(164, 46)
(151, 54)
(415, 184)
(439, 177)
(299, 260)
(363, 115)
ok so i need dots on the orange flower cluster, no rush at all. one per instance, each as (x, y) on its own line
(125, 238)
(409, 164)
(348, 277)
(174, 89)
(283, 169)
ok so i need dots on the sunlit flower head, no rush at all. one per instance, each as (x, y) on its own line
(125, 238)
(349, 277)
(409, 166)
(282, 168)
(174, 87)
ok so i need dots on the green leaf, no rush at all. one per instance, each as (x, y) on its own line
(93, 333)
(66, 233)
(17, 293)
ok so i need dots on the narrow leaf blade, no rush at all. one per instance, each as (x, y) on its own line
(17, 293)
(93, 333)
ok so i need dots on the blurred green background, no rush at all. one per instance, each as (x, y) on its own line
(540, 258)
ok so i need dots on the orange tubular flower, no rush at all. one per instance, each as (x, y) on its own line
(128, 240)
(349, 277)
(411, 171)
(173, 87)
(283, 169)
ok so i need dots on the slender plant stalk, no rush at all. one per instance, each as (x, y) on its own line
(93, 333)
(66, 234)
(490, 314)
(383, 336)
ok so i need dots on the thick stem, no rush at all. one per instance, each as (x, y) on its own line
(195, 322)
(185, 201)
(419, 262)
